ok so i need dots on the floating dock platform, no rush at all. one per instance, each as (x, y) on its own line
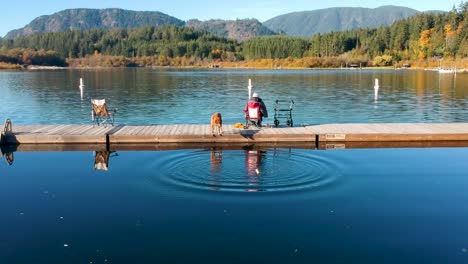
(194, 133)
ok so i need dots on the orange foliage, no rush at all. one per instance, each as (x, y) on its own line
(425, 38)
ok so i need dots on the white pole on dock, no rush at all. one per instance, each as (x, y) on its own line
(376, 89)
(250, 88)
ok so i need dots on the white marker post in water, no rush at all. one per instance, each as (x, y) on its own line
(376, 89)
(81, 87)
(250, 88)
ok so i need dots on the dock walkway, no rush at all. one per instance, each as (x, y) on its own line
(192, 133)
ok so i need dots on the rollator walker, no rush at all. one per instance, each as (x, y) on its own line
(283, 109)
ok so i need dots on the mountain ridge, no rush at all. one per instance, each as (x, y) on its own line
(302, 23)
(88, 18)
(337, 19)
(239, 29)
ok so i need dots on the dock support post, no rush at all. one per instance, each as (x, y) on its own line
(107, 142)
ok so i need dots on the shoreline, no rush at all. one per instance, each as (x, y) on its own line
(52, 68)
(36, 67)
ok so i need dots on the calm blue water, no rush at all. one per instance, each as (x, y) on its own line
(226, 204)
(211, 206)
(164, 96)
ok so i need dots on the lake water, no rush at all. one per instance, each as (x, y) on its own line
(228, 204)
(163, 96)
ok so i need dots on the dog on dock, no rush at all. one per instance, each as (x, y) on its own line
(216, 122)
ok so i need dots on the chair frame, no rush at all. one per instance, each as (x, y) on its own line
(100, 115)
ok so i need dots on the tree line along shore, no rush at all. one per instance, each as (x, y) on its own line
(427, 40)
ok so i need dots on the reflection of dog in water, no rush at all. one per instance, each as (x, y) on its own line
(216, 122)
(216, 158)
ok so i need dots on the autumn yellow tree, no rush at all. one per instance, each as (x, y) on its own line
(424, 43)
(450, 39)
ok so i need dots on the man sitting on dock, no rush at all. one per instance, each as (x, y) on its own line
(263, 110)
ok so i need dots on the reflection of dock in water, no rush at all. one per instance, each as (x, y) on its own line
(103, 152)
(76, 135)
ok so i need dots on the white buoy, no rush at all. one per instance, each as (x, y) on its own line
(376, 89)
(250, 88)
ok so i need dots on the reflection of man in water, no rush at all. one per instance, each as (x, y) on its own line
(253, 161)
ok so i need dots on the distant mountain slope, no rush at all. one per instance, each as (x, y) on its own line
(84, 19)
(307, 23)
(240, 29)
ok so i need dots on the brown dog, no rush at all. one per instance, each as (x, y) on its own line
(216, 121)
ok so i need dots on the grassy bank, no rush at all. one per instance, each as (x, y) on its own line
(101, 61)
(287, 63)
(9, 66)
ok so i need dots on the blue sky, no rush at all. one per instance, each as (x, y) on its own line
(18, 13)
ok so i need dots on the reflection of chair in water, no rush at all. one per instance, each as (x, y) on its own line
(252, 113)
(100, 114)
(7, 153)
(101, 160)
(9, 157)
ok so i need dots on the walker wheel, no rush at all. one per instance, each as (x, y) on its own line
(276, 123)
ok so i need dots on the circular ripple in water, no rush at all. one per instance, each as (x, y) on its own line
(247, 170)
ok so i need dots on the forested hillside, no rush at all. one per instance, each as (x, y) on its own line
(171, 41)
(308, 23)
(422, 37)
(240, 29)
(85, 19)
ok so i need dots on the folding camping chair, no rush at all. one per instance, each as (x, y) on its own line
(252, 113)
(100, 114)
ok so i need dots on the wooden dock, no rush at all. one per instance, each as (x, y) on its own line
(200, 134)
